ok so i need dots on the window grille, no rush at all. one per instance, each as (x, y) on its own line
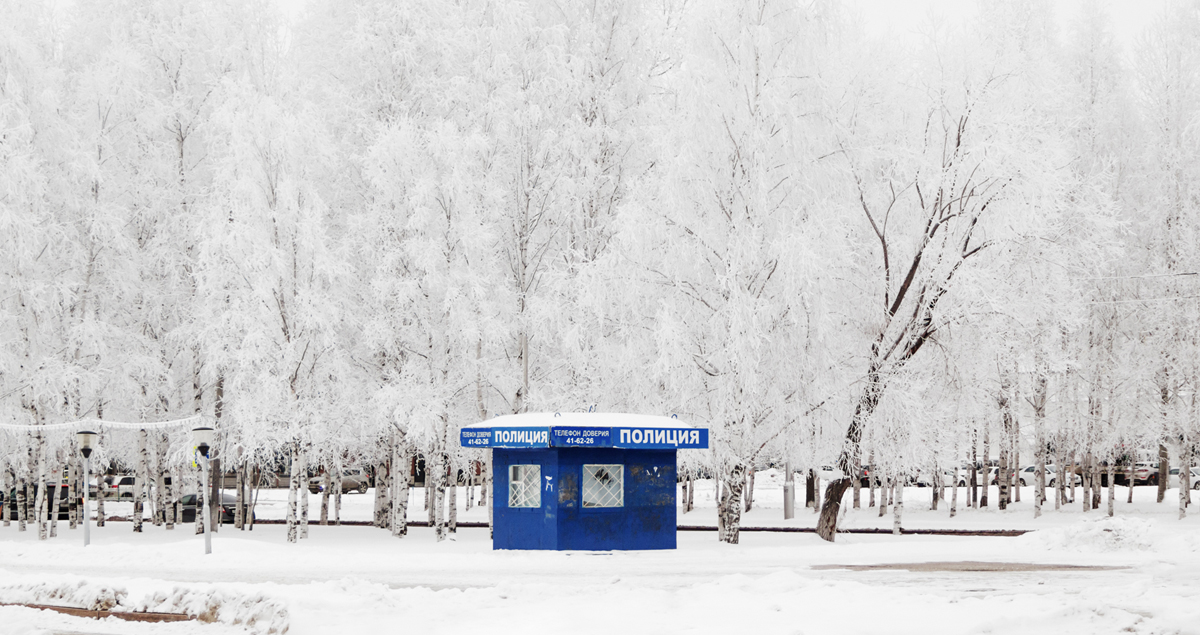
(524, 486)
(603, 486)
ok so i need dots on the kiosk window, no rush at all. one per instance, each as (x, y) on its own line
(604, 485)
(524, 486)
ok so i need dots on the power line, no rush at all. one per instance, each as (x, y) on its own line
(101, 425)
(1182, 297)
(1149, 275)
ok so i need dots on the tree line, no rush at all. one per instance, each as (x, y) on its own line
(342, 233)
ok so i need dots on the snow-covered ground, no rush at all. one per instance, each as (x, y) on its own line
(361, 580)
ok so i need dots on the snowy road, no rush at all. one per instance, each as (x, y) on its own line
(357, 579)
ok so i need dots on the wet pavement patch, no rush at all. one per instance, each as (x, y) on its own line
(967, 566)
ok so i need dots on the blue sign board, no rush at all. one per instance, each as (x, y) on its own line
(661, 438)
(585, 437)
(581, 437)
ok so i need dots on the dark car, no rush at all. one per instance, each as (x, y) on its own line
(64, 502)
(228, 505)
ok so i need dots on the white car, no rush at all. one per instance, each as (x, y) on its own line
(1194, 478)
(925, 479)
(353, 480)
(1028, 476)
(829, 473)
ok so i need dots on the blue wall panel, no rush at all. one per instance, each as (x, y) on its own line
(524, 528)
(645, 521)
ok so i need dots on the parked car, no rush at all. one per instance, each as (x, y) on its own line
(119, 486)
(64, 502)
(1194, 478)
(1145, 473)
(1028, 476)
(353, 480)
(266, 480)
(926, 479)
(228, 506)
(830, 473)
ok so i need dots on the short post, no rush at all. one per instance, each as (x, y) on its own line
(86, 440)
(789, 491)
(203, 438)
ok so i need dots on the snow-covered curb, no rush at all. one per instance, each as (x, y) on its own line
(258, 613)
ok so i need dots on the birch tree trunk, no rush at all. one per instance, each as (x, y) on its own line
(438, 473)
(1003, 477)
(53, 502)
(139, 482)
(1096, 484)
(293, 495)
(1185, 468)
(253, 485)
(973, 475)
(469, 486)
(239, 496)
(325, 485)
(99, 498)
(337, 492)
(177, 479)
(22, 504)
(954, 493)
(1060, 474)
(39, 505)
(304, 491)
(1016, 454)
(899, 507)
(7, 483)
(729, 507)
(1040, 396)
(427, 493)
(1086, 483)
(1112, 484)
(856, 489)
(74, 494)
(161, 496)
(883, 497)
(937, 482)
(381, 493)
(400, 483)
(1129, 474)
(168, 490)
(987, 472)
(750, 489)
(201, 495)
(1164, 469)
(452, 500)
(1070, 475)
(871, 480)
(380, 488)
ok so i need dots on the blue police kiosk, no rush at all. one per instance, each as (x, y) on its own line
(586, 481)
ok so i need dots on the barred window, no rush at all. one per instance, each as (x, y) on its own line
(604, 485)
(524, 486)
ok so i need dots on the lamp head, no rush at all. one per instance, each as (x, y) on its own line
(87, 442)
(203, 438)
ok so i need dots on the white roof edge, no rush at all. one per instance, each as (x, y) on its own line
(580, 419)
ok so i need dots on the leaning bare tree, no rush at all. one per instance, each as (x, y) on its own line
(926, 223)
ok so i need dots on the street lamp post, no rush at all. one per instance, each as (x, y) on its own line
(87, 440)
(203, 439)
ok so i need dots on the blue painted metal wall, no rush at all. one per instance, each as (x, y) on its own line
(646, 521)
(525, 528)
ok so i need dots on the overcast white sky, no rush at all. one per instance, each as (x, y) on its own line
(904, 18)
